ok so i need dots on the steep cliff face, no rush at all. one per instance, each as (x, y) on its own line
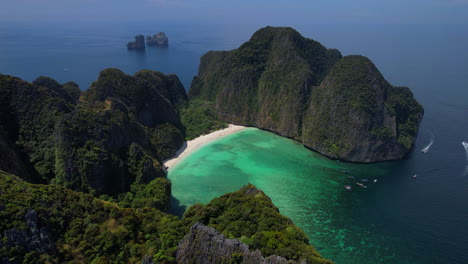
(120, 132)
(28, 113)
(206, 245)
(266, 81)
(14, 161)
(358, 116)
(109, 140)
(138, 44)
(275, 81)
(100, 146)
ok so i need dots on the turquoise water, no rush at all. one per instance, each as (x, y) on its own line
(306, 187)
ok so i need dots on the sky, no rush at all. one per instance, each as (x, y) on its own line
(238, 11)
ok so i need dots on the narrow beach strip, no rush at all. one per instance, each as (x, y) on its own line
(192, 145)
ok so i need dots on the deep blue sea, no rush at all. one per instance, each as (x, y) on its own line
(429, 213)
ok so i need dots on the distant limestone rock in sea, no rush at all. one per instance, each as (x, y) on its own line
(138, 44)
(159, 39)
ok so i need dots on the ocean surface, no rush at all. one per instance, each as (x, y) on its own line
(399, 219)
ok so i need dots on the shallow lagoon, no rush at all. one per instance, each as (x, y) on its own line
(347, 227)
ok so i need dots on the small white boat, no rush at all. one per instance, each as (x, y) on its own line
(360, 184)
(414, 176)
(375, 180)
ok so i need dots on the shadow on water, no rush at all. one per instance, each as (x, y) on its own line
(176, 208)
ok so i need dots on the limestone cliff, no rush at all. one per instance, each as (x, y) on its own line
(206, 245)
(28, 113)
(119, 133)
(138, 44)
(275, 82)
(109, 140)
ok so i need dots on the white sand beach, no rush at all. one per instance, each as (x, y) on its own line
(194, 144)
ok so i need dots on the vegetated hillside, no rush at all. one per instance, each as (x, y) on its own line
(28, 113)
(111, 140)
(294, 86)
(250, 216)
(52, 224)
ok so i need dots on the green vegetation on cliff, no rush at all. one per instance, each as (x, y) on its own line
(250, 216)
(294, 86)
(28, 115)
(78, 228)
(356, 115)
(52, 224)
(199, 118)
(103, 141)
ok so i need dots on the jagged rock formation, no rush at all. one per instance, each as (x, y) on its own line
(206, 245)
(138, 44)
(32, 238)
(159, 39)
(282, 82)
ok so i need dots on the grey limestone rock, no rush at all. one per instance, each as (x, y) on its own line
(32, 239)
(206, 245)
(138, 44)
(159, 39)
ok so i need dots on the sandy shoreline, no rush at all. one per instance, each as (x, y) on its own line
(194, 144)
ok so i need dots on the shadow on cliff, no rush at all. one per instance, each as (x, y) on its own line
(176, 208)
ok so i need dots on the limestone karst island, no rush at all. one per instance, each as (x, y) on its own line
(159, 40)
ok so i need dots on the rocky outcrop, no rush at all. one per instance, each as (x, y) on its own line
(101, 146)
(159, 39)
(138, 44)
(31, 239)
(120, 132)
(206, 245)
(248, 215)
(294, 86)
(142, 93)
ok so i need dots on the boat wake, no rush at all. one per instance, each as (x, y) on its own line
(426, 148)
(465, 145)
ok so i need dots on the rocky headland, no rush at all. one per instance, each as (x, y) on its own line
(339, 106)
